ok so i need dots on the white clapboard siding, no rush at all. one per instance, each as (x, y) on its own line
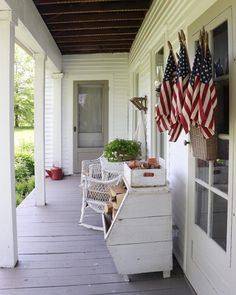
(162, 23)
(111, 67)
(48, 121)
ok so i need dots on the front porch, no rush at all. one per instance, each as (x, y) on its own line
(57, 256)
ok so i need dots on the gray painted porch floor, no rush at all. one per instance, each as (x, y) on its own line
(58, 257)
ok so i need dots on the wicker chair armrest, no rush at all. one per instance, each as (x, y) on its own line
(101, 185)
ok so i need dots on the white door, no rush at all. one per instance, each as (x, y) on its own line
(210, 182)
(90, 120)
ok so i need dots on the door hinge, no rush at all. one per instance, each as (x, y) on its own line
(74, 128)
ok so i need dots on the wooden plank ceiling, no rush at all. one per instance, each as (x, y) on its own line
(93, 26)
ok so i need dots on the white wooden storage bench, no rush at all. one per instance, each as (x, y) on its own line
(140, 236)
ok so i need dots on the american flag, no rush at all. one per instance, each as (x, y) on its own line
(207, 99)
(179, 94)
(190, 108)
(166, 92)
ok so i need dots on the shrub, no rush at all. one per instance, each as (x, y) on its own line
(23, 189)
(122, 150)
(24, 166)
(24, 172)
(19, 198)
(31, 184)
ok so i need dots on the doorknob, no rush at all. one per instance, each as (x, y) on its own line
(186, 142)
(74, 128)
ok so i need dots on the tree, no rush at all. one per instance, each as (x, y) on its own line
(24, 97)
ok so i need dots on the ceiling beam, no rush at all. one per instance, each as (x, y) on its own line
(95, 25)
(96, 43)
(94, 47)
(93, 17)
(97, 7)
(96, 32)
(50, 2)
(95, 51)
(69, 39)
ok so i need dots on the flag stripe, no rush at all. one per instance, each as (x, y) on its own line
(163, 108)
(178, 100)
(200, 99)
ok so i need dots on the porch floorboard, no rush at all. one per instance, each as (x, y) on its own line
(57, 256)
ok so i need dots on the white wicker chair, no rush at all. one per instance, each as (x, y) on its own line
(96, 193)
(85, 169)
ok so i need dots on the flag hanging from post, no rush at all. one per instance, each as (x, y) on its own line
(191, 104)
(179, 94)
(163, 108)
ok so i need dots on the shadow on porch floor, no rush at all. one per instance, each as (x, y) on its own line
(58, 257)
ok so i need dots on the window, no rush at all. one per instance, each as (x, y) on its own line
(159, 68)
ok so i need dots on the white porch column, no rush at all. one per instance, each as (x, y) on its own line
(57, 117)
(8, 234)
(39, 124)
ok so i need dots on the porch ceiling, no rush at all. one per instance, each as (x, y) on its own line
(93, 26)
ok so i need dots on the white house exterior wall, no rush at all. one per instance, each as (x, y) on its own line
(162, 23)
(111, 67)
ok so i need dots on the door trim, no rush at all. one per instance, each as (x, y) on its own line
(105, 118)
(200, 281)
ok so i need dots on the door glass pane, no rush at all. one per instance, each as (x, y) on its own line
(219, 220)
(220, 49)
(221, 166)
(202, 170)
(90, 110)
(222, 110)
(90, 116)
(201, 214)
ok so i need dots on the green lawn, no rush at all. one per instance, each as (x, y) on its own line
(23, 136)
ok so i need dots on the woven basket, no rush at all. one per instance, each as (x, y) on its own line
(204, 149)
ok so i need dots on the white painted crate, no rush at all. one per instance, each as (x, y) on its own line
(139, 238)
(136, 178)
